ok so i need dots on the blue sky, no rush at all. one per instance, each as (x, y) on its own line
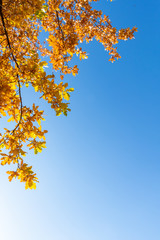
(100, 174)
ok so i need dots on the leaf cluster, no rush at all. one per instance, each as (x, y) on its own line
(68, 23)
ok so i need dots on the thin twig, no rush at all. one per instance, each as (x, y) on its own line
(60, 29)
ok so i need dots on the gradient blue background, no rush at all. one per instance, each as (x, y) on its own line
(100, 174)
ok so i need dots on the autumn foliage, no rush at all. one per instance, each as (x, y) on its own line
(66, 23)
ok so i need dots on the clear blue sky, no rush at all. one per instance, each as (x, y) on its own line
(100, 174)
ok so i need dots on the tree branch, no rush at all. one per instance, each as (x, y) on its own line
(16, 63)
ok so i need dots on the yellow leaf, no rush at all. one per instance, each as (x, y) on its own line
(36, 88)
(39, 122)
(10, 119)
(66, 96)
